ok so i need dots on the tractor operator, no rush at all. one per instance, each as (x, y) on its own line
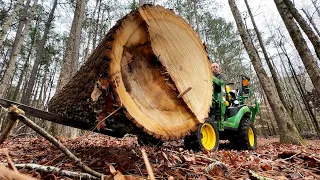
(215, 68)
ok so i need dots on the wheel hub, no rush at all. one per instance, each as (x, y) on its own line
(208, 139)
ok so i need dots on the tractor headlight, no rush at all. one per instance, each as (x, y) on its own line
(236, 102)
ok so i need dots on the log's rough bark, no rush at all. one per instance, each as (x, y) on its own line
(144, 62)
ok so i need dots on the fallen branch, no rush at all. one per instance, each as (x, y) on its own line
(10, 162)
(58, 171)
(148, 166)
(58, 144)
(8, 174)
(12, 119)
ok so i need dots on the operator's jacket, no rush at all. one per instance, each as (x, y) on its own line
(221, 76)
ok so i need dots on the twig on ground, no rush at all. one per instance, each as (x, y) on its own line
(10, 162)
(195, 155)
(17, 112)
(12, 120)
(8, 174)
(204, 174)
(292, 156)
(148, 166)
(60, 155)
(58, 171)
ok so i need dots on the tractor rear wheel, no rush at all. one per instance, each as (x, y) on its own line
(247, 138)
(206, 137)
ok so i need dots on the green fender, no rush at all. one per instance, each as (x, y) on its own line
(234, 121)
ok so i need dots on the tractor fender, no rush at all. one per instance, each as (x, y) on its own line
(234, 121)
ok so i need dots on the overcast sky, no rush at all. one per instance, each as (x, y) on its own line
(264, 11)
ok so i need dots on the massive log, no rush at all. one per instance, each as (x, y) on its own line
(151, 72)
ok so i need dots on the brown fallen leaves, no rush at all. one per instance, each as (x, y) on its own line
(123, 158)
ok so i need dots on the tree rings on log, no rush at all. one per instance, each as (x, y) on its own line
(151, 72)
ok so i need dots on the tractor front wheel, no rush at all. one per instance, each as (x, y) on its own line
(206, 137)
(247, 138)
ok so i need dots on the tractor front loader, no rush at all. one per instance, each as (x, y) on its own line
(230, 118)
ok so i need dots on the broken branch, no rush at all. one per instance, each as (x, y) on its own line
(58, 171)
(184, 92)
(58, 144)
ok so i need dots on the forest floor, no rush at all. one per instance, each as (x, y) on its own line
(270, 160)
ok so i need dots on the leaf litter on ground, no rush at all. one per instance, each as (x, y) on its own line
(271, 160)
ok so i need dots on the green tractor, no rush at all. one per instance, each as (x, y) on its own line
(229, 118)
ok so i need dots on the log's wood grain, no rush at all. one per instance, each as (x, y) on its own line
(146, 60)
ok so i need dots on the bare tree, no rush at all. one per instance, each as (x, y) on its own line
(304, 26)
(23, 28)
(300, 44)
(71, 54)
(26, 96)
(288, 131)
(272, 70)
(189, 12)
(8, 22)
(90, 32)
(141, 2)
(70, 60)
(195, 2)
(311, 21)
(314, 2)
(96, 25)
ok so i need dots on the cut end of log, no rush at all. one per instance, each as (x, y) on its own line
(159, 57)
(154, 56)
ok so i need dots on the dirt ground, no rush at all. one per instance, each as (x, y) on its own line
(271, 160)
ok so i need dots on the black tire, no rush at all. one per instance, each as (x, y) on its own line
(147, 140)
(207, 130)
(246, 136)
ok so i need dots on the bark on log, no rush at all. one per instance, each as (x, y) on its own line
(144, 62)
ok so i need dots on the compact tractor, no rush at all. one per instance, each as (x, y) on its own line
(230, 118)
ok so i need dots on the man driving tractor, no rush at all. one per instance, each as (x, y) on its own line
(230, 116)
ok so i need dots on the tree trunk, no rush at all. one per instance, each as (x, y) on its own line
(21, 32)
(196, 16)
(304, 26)
(141, 2)
(270, 114)
(293, 89)
(271, 68)
(8, 23)
(303, 96)
(288, 132)
(25, 66)
(300, 44)
(315, 6)
(102, 21)
(189, 12)
(90, 29)
(50, 83)
(70, 60)
(27, 95)
(71, 54)
(311, 21)
(134, 76)
(96, 26)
